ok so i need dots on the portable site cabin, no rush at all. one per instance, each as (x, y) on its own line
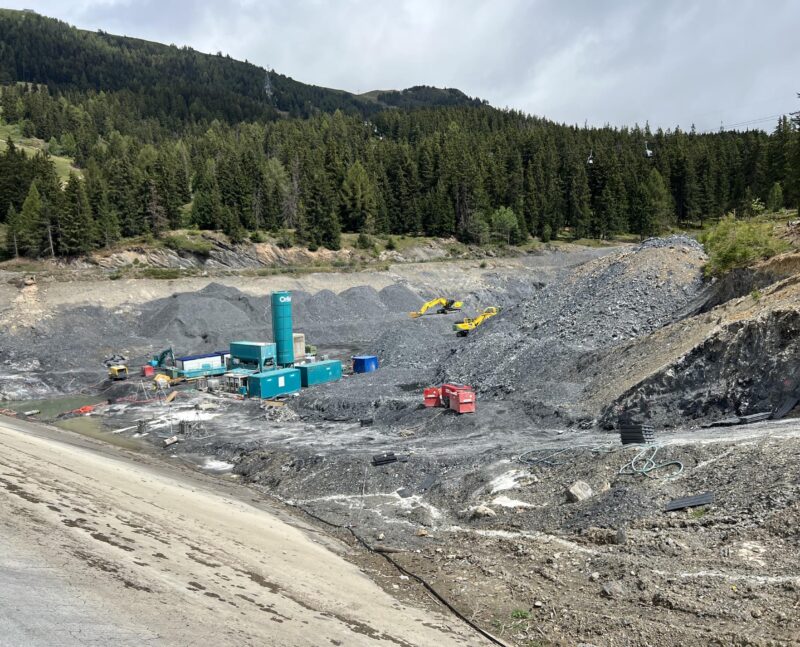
(270, 384)
(191, 366)
(320, 372)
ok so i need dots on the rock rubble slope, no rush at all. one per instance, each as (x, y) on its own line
(529, 351)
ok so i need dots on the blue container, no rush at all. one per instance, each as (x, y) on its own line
(273, 383)
(320, 372)
(365, 363)
(282, 327)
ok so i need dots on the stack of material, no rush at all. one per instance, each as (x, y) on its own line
(634, 434)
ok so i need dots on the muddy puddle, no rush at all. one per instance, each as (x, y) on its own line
(92, 426)
(52, 407)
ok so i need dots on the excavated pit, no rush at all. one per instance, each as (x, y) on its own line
(634, 331)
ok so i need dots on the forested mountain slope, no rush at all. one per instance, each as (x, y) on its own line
(174, 84)
(167, 137)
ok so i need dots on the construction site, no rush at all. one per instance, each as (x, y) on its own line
(592, 446)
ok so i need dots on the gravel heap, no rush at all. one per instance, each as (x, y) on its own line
(530, 348)
(70, 346)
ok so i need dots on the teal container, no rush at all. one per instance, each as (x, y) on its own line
(282, 327)
(252, 353)
(271, 384)
(320, 372)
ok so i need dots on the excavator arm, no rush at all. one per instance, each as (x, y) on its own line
(161, 359)
(462, 328)
(445, 306)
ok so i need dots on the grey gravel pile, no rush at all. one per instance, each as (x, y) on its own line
(528, 351)
(71, 345)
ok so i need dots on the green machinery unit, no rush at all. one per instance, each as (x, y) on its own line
(320, 372)
(256, 355)
(270, 384)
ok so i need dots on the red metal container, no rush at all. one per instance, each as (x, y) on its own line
(432, 396)
(148, 371)
(463, 401)
(448, 389)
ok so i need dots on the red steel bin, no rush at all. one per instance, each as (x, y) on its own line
(432, 396)
(463, 401)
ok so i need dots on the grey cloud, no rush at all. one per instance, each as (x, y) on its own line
(621, 62)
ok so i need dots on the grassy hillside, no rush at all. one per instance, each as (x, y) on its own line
(32, 145)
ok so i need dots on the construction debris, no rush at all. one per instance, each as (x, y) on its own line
(741, 420)
(785, 407)
(690, 502)
(579, 491)
(387, 458)
(632, 434)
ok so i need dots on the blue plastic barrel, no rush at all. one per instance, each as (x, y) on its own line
(282, 328)
(365, 363)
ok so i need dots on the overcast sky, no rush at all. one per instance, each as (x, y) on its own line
(598, 61)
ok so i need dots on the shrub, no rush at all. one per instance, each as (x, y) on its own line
(258, 237)
(185, 244)
(390, 244)
(285, 240)
(775, 197)
(735, 243)
(504, 226)
(364, 241)
(547, 234)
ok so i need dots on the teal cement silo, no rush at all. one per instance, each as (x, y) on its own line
(282, 327)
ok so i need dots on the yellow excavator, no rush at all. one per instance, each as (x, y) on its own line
(445, 306)
(462, 328)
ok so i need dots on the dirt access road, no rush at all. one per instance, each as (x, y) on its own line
(107, 547)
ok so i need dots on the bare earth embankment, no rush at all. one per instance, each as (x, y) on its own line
(106, 548)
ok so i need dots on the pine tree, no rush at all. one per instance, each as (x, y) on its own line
(30, 219)
(531, 206)
(579, 210)
(330, 230)
(293, 212)
(154, 214)
(14, 233)
(106, 222)
(207, 212)
(657, 205)
(75, 222)
(122, 195)
(357, 200)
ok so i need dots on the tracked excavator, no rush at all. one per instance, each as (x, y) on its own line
(443, 306)
(163, 359)
(462, 328)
